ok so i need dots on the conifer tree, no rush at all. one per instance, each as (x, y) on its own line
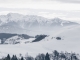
(15, 57)
(47, 57)
(12, 57)
(22, 58)
(8, 57)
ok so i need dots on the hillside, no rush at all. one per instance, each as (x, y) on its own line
(69, 42)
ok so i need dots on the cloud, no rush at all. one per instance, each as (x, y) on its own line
(25, 1)
(68, 1)
(63, 14)
(40, 4)
(65, 9)
(20, 1)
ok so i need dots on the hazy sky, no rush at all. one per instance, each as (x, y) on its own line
(64, 9)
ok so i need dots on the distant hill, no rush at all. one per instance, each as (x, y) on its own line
(9, 35)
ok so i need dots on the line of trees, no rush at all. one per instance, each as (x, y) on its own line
(39, 38)
(64, 56)
(54, 56)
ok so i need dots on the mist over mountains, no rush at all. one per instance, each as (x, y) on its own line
(17, 23)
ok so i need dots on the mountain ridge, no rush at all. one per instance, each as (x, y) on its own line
(18, 17)
(30, 23)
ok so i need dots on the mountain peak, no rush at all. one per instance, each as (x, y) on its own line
(9, 14)
(32, 19)
(30, 23)
(56, 18)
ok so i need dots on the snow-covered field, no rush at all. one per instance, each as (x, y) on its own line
(70, 41)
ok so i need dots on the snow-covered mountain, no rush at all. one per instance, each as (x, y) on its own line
(61, 35)
(30, 23)
(31, 20)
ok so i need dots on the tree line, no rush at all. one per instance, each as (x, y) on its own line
(55, 55)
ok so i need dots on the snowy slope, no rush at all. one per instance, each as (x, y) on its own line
(18, 40)
(70, 42)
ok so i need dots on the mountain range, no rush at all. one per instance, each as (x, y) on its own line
(28, 24)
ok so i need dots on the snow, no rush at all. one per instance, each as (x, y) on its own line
(29, 24)
(26, 40)
(70, 42)
(70, 36)
(18, 40)
(29, 18)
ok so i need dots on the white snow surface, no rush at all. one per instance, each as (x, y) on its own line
(18, 40)
(70, 41)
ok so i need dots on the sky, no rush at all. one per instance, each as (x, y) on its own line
(64, 9)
